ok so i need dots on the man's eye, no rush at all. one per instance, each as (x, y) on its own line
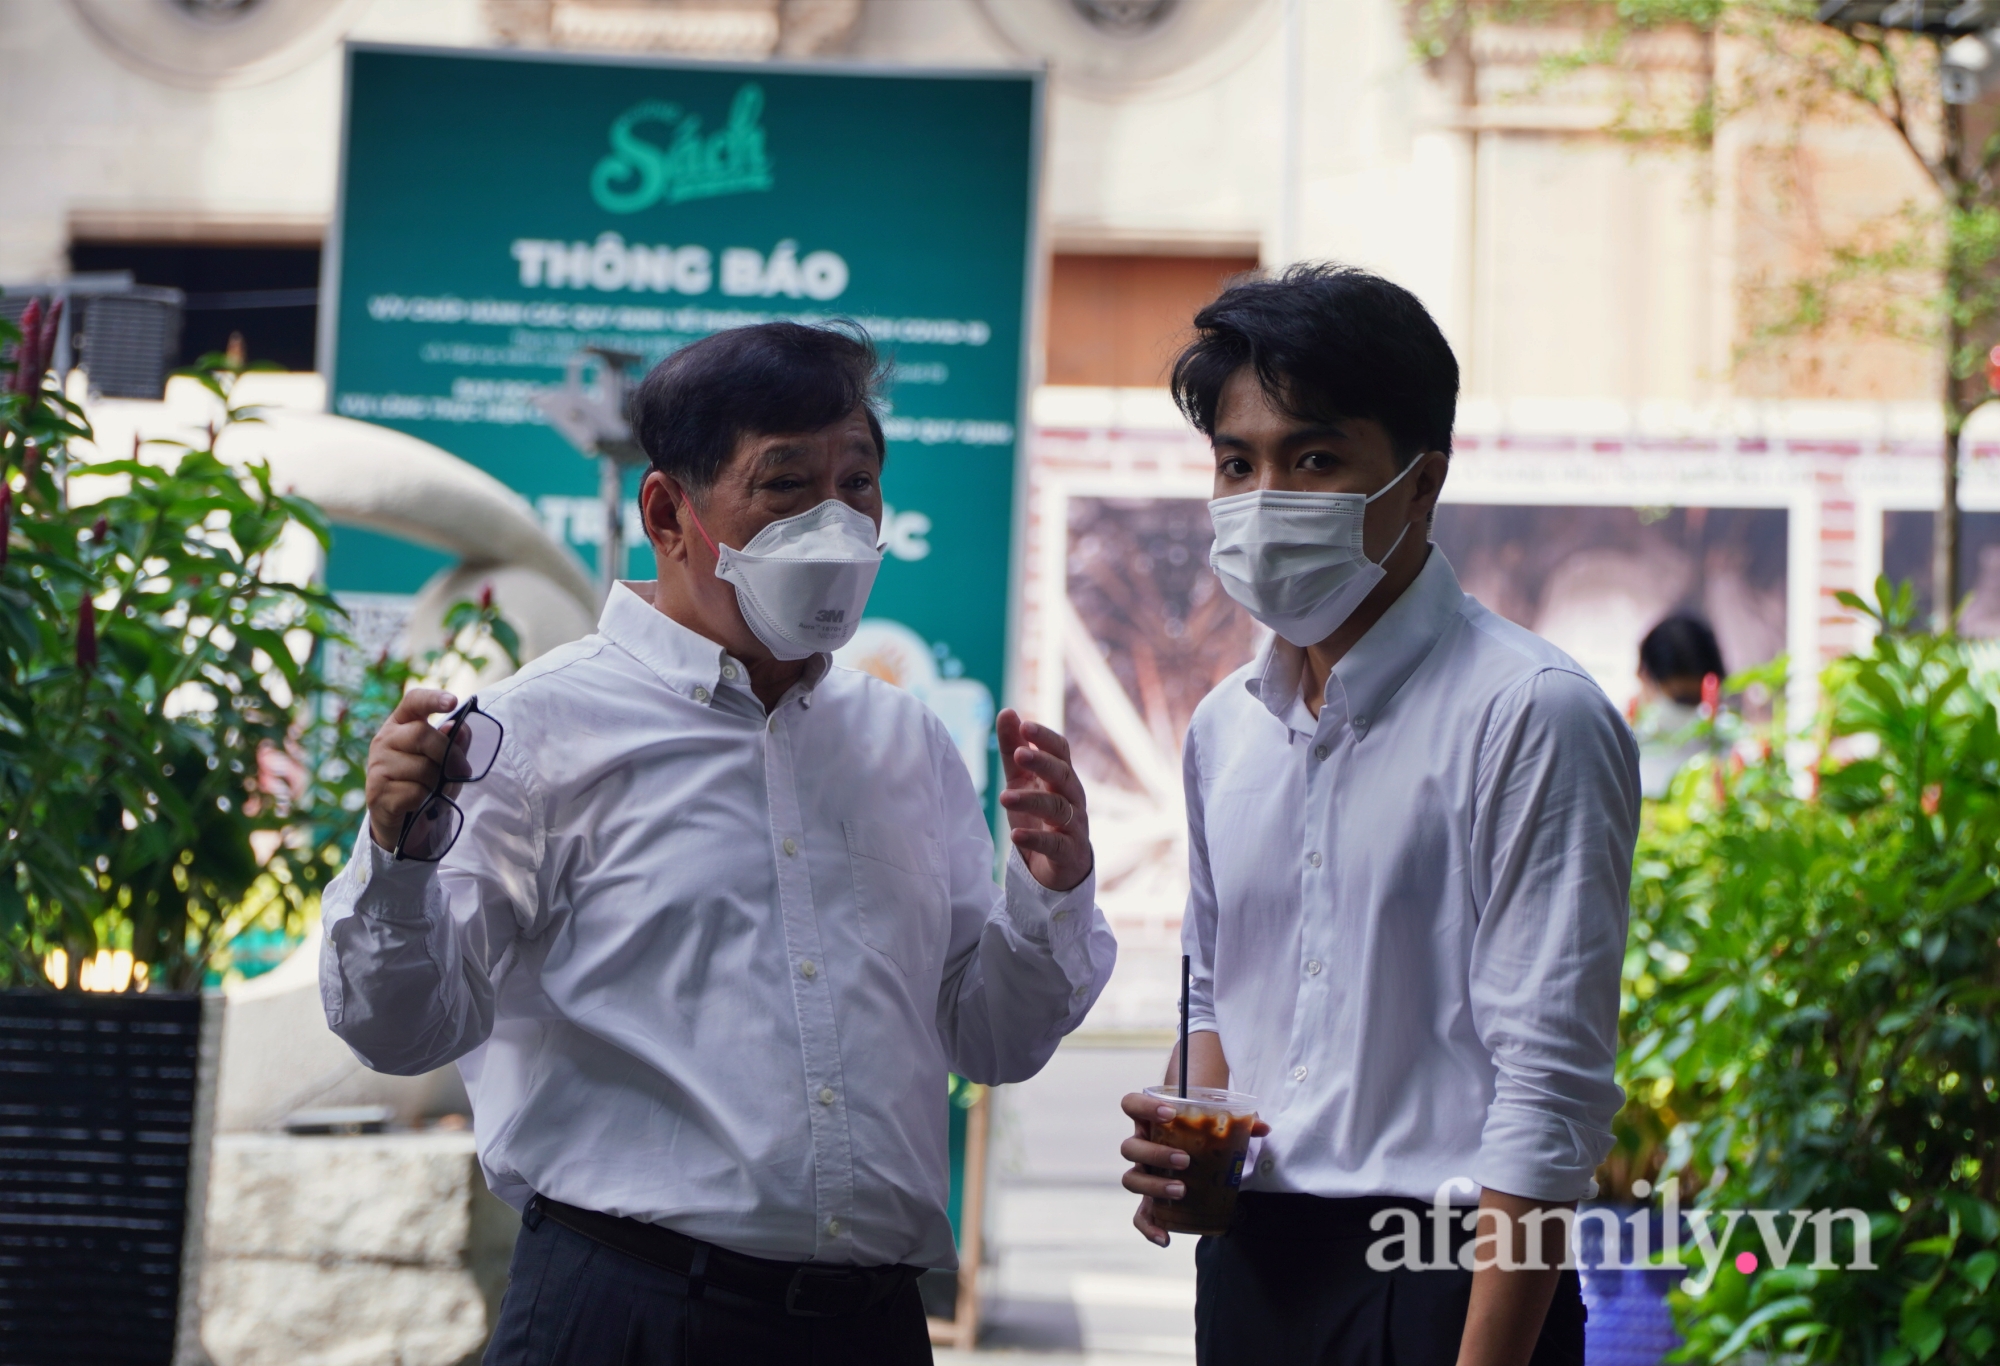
(1316, 460)
(1235, 467)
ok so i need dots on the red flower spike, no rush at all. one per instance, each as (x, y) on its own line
(24, 351)
(46, 352)
(30, 463)
(100, 529)
(486, 598)
(86, 636)
(1711, 695)
(1993, 369)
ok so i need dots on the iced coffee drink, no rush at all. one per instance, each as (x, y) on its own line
(1212, 1127)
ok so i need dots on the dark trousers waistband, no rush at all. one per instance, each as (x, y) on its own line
(806, 1289)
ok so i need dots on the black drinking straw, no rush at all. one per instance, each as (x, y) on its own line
(1184, 1004)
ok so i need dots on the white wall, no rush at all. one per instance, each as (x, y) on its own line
(82, 134)
(1560, 264)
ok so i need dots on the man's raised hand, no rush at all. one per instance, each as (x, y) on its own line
(1044, 803)
(403, 762)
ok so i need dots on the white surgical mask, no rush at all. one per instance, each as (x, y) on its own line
(802, 581)
(1294, 560)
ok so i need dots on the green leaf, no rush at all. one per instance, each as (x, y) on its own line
(1978, 1269)
(1922, 1332)
(1790, 1307)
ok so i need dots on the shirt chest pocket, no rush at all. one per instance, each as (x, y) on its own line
(900, 893)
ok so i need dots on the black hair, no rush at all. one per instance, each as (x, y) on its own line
(763, 380)
(1680, 647)
(1327, 342)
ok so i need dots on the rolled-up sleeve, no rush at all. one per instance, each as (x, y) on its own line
(1556, 820)
(1025, 963)
(409, 949)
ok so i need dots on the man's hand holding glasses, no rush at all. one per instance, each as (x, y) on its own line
(415, 770)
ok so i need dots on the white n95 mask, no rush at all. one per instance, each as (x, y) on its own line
(802, 581)
(1294, 560)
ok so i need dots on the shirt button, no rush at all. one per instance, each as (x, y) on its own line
(729, 672)
(701, 694)
(1321, 751)
(1312, 858)
(792, 847)
(1361, 724)
(1060, 916)
(826, 1095)
(1312, 967)
(809, 969)
(1298, 1074)
(833, 1227)
(1267, 1166)
(774, 723)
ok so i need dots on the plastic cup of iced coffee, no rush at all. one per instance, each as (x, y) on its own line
(1212, 1127)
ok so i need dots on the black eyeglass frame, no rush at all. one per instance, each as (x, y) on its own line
(444, 780)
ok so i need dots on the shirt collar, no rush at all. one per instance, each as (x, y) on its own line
(686, 660)
(1372, 672)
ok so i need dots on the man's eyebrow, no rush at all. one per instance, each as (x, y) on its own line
(782, 453)
(1319, 431)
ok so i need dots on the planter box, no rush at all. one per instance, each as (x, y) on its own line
(106, 1102)
(1629, 1323)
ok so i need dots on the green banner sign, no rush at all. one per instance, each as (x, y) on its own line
(501, 211)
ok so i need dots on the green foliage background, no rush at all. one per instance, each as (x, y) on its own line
(175, 765)
(1811, 992)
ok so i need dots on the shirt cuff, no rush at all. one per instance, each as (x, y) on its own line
(384, 887)
(1539, 1156)
(1048, 915)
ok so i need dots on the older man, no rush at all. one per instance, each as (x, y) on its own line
(717, 916)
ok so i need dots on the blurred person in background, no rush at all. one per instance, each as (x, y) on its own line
(1410, 830)
(718, 917)
(1680, 685)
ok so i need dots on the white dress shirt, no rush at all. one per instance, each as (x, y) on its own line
(1407, 916)
(707, 966)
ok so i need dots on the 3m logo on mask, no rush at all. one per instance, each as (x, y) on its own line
(832, 616)
(637, 174)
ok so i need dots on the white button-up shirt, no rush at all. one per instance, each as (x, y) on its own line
(1407, 916)
(707, 966)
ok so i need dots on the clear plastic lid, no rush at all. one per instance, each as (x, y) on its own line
(1208, 1098)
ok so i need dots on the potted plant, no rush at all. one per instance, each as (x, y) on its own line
(173, 768)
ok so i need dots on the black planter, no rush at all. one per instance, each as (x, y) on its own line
(104, 1120)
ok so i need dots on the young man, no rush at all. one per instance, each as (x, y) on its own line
(1410, 830)
(720, 916)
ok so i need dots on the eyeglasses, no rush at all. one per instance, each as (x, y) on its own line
(471, 743)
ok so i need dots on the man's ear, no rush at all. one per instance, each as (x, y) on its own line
(1430, 482)
(660, 513)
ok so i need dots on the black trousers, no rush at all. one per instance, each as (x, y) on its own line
(572, 1301)
(1290, 1282)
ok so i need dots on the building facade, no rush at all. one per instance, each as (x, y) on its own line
(1634, 439)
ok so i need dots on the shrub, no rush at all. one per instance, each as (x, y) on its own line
(1811, 989)
(174, 764)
